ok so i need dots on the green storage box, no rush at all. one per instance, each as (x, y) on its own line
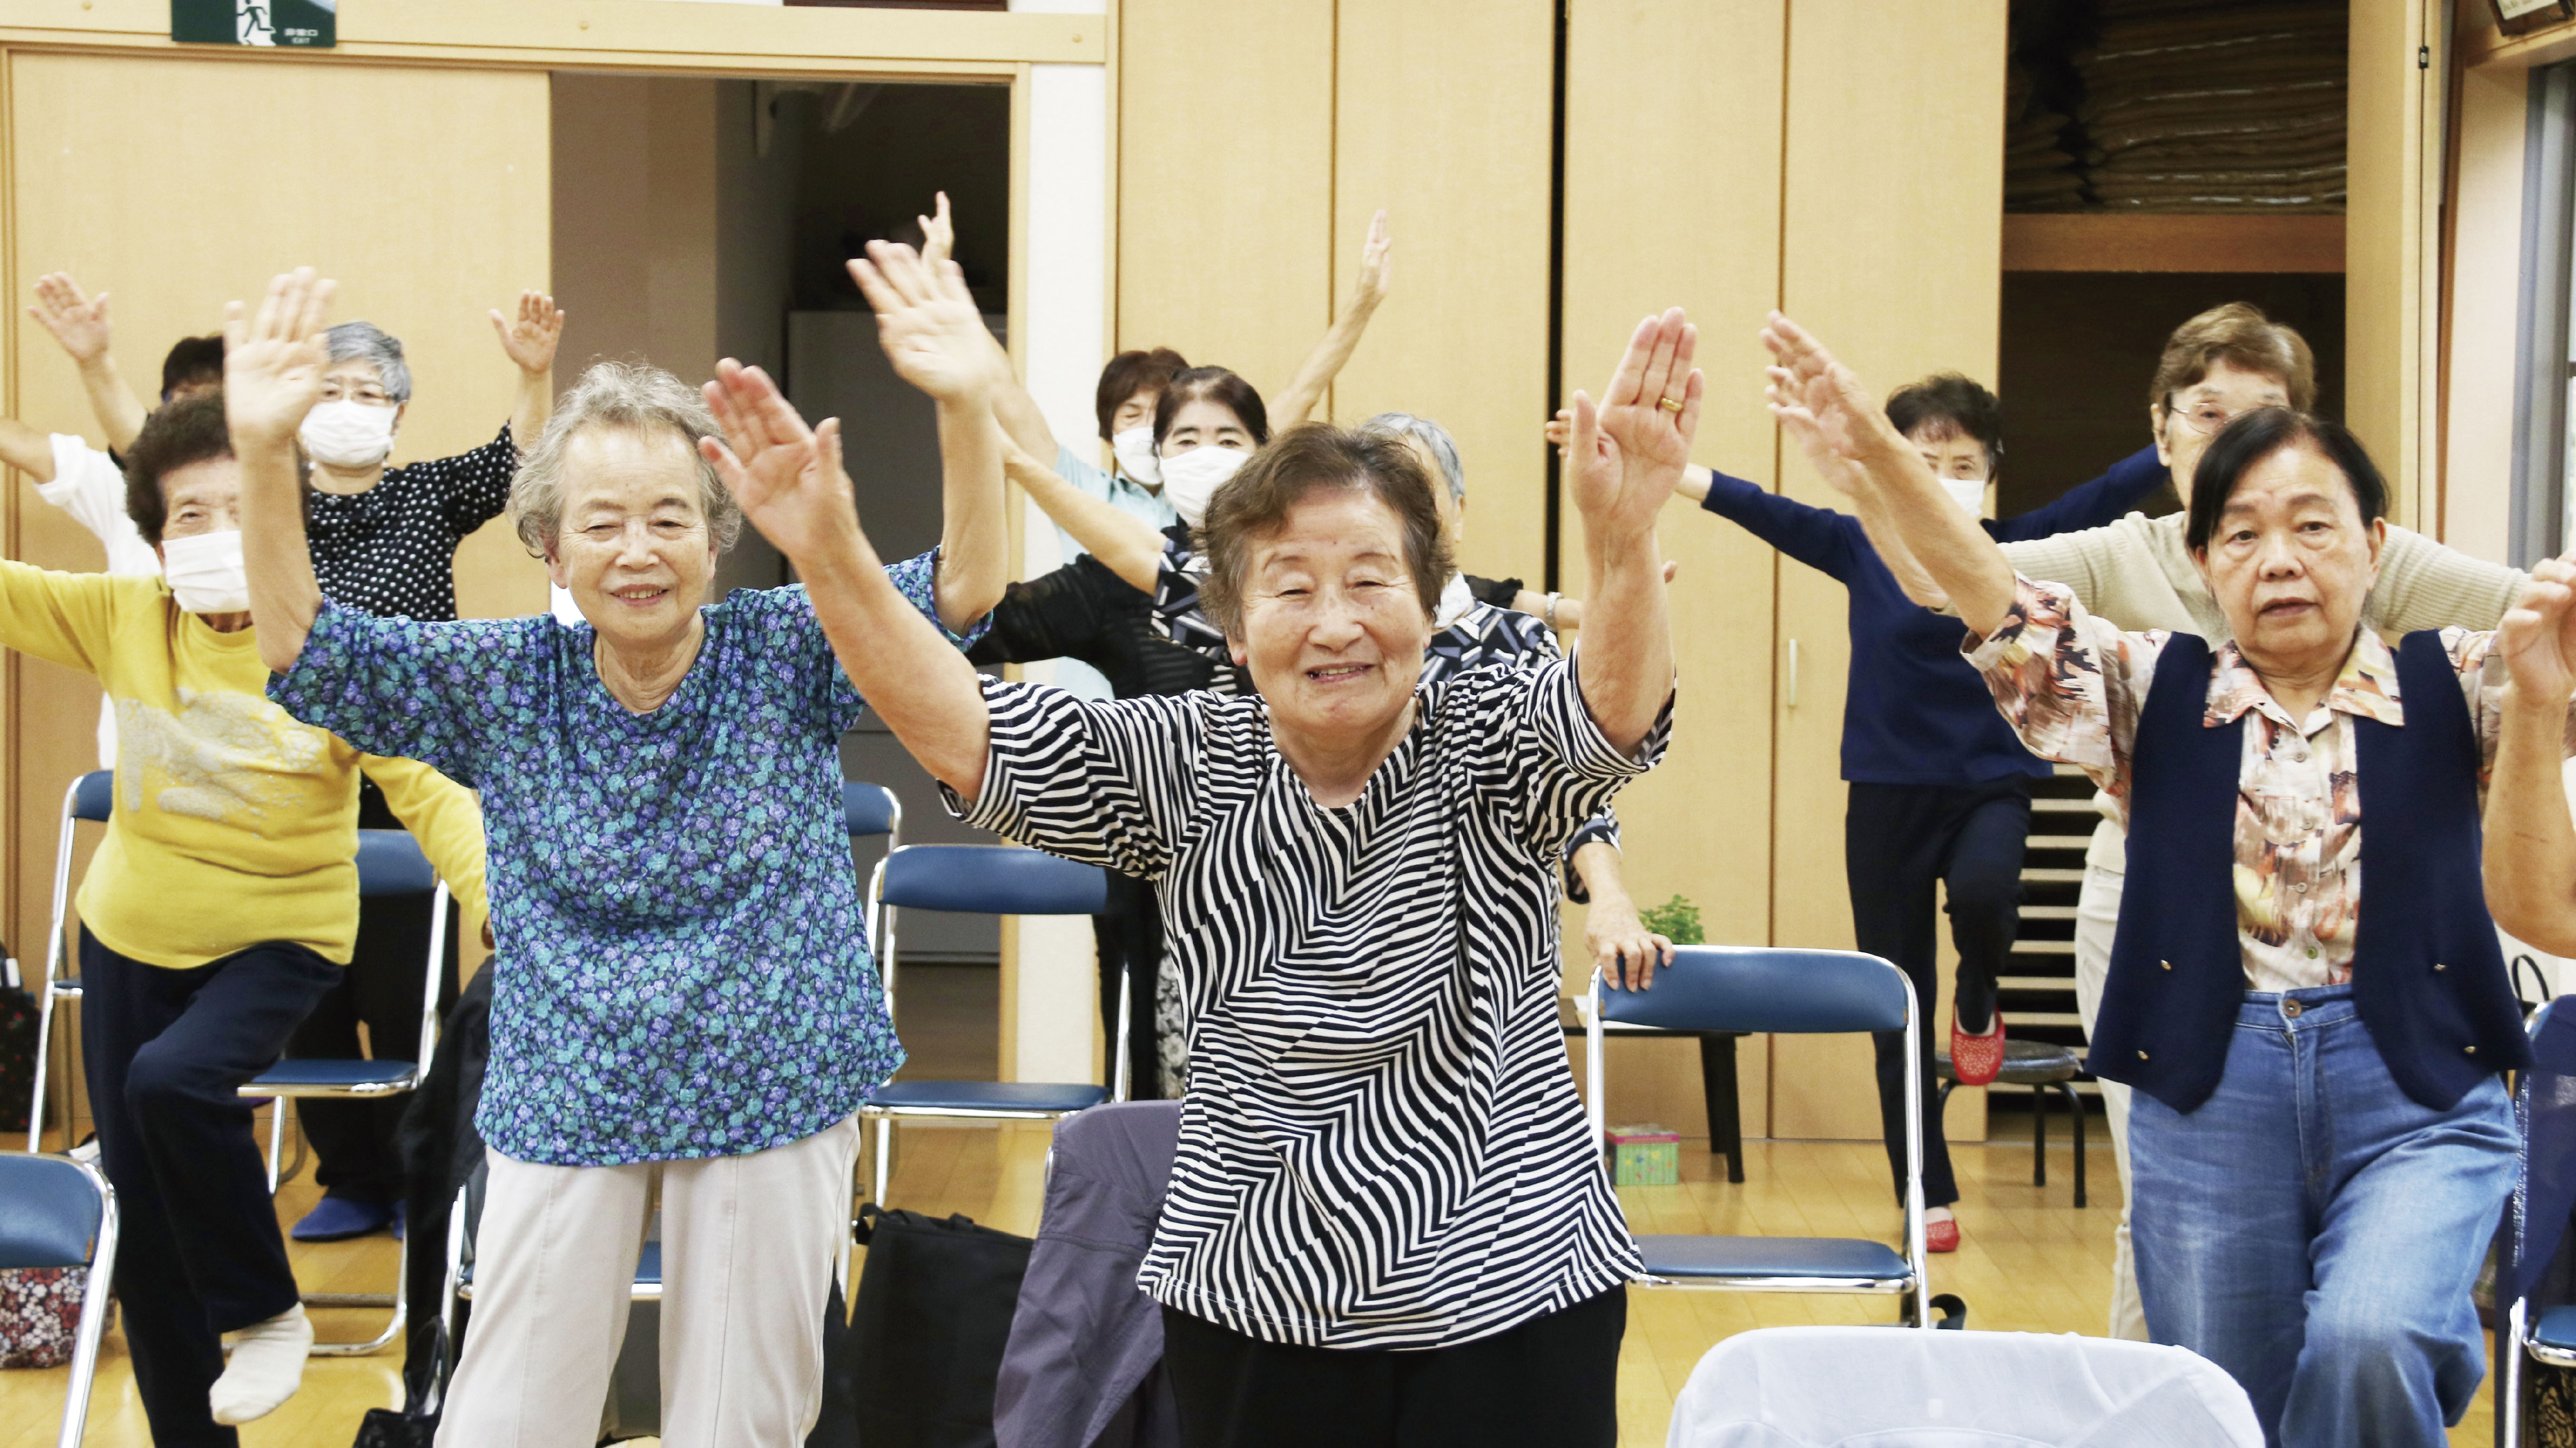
(1645, 1156)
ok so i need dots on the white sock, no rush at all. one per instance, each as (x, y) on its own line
(1938, 1214)
(266, 1369)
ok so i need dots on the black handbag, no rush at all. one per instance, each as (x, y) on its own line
(932, 1315)
(17, 1050)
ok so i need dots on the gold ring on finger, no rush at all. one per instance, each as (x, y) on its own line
(1670, 404)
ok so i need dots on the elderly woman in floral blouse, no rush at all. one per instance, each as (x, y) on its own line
(684, 989)
(2320, 1143)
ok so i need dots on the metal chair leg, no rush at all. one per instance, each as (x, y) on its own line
(2039, 1136)
(276, 1138)
(885, 1150)
(2075, 1108)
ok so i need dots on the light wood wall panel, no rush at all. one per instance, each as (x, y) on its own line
(2486, 264)
(1225, 181)
(1672, 199)
(1440, 120)
(2386, 398)
(1892, 252)
(179, 184)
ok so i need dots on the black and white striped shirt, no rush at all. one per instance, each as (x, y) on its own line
(1382, 1146)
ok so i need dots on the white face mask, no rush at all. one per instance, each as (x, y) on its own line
(1193, 477)
(1968, 493)
(206, 573)
(348, 434)
(1134, 450)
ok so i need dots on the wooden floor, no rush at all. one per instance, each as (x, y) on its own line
(2031, 1262)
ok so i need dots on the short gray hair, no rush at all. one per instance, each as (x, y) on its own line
(1435, 440)
(636, 398)
(367, 342)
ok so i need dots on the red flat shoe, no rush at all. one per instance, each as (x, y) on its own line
(1941, 1236)
(1977, 1060)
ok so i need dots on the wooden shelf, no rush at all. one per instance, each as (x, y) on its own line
(2130, 241)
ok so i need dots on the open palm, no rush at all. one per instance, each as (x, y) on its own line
(1629, 451)
(927, 322)
(78, 322)
(1820, 401)
(788, 477)
(531, 336)
(273, 358)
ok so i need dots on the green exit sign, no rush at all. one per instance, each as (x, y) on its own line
(255, 22)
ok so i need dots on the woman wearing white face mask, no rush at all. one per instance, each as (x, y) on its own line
(1940, 788)
(221, 907)
(384, 539)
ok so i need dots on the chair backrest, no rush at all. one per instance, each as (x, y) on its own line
(2544, 1197)
(869, 809)
(93, 796)
(1760, 989)
(390, 862)
(1962, 1389)
(49, 1211)
(990, 880)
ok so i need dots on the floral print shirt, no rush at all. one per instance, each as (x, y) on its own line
(2071, 685)
(683, 967)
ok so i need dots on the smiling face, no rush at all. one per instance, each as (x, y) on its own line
(1333, 629)
(633, 545)
(1202, 422)
(2186, 421)
(2291, 561)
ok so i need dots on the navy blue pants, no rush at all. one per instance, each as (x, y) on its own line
(1899, 840)
(198, 1250)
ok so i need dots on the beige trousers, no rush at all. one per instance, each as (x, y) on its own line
(2097, 920)
(749, 1248)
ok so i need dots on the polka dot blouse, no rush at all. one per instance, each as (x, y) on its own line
(391, 550)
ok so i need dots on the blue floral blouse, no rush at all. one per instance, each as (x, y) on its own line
(683, 965)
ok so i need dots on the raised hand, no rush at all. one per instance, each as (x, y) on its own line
(1376, 268)
(938, 233)
(928, 323)
(1820, 401)
(273, 359)
(788, 477)
(532, 335)
(2537, 636)
(1628, 452)
(78, 322)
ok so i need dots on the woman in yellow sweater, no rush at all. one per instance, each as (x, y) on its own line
(222, 903)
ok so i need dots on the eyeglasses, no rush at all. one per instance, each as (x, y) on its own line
(2204, 418)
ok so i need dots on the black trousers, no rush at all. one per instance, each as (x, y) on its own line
(1899, 840)
(1130, 937)
(1552, 1382)
(198, 1251)
(354, 1148)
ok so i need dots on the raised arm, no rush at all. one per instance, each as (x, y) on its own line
(530, 338)
(1851, 439)
(2530, 839)
(1628, 456)
(29, 451)
(1017, 412)
(273, 363)
(932, 333)
(791, 484)
(1131, 547)
(1297, 402)
(80, 324)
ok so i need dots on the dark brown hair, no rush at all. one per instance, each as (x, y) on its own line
(1132, 372)
(1952, 406)
(2257, 435)
(2239, 335)
(1318, 457)
(192, 360)
(1219, 386)
(190, 430)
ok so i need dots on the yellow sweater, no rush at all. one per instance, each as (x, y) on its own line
(233, 823)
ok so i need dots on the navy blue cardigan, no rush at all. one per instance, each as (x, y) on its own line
(1915, 713)
(2427, 976)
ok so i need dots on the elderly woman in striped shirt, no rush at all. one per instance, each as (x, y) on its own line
(1382, 1147)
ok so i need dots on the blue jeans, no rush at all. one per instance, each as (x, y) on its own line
(2316, 1232)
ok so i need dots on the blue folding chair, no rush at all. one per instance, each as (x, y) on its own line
(57, 1212)
(390, 863)
(2536, 1218)
(1776, 992)
(981, 880)
(89, 798)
